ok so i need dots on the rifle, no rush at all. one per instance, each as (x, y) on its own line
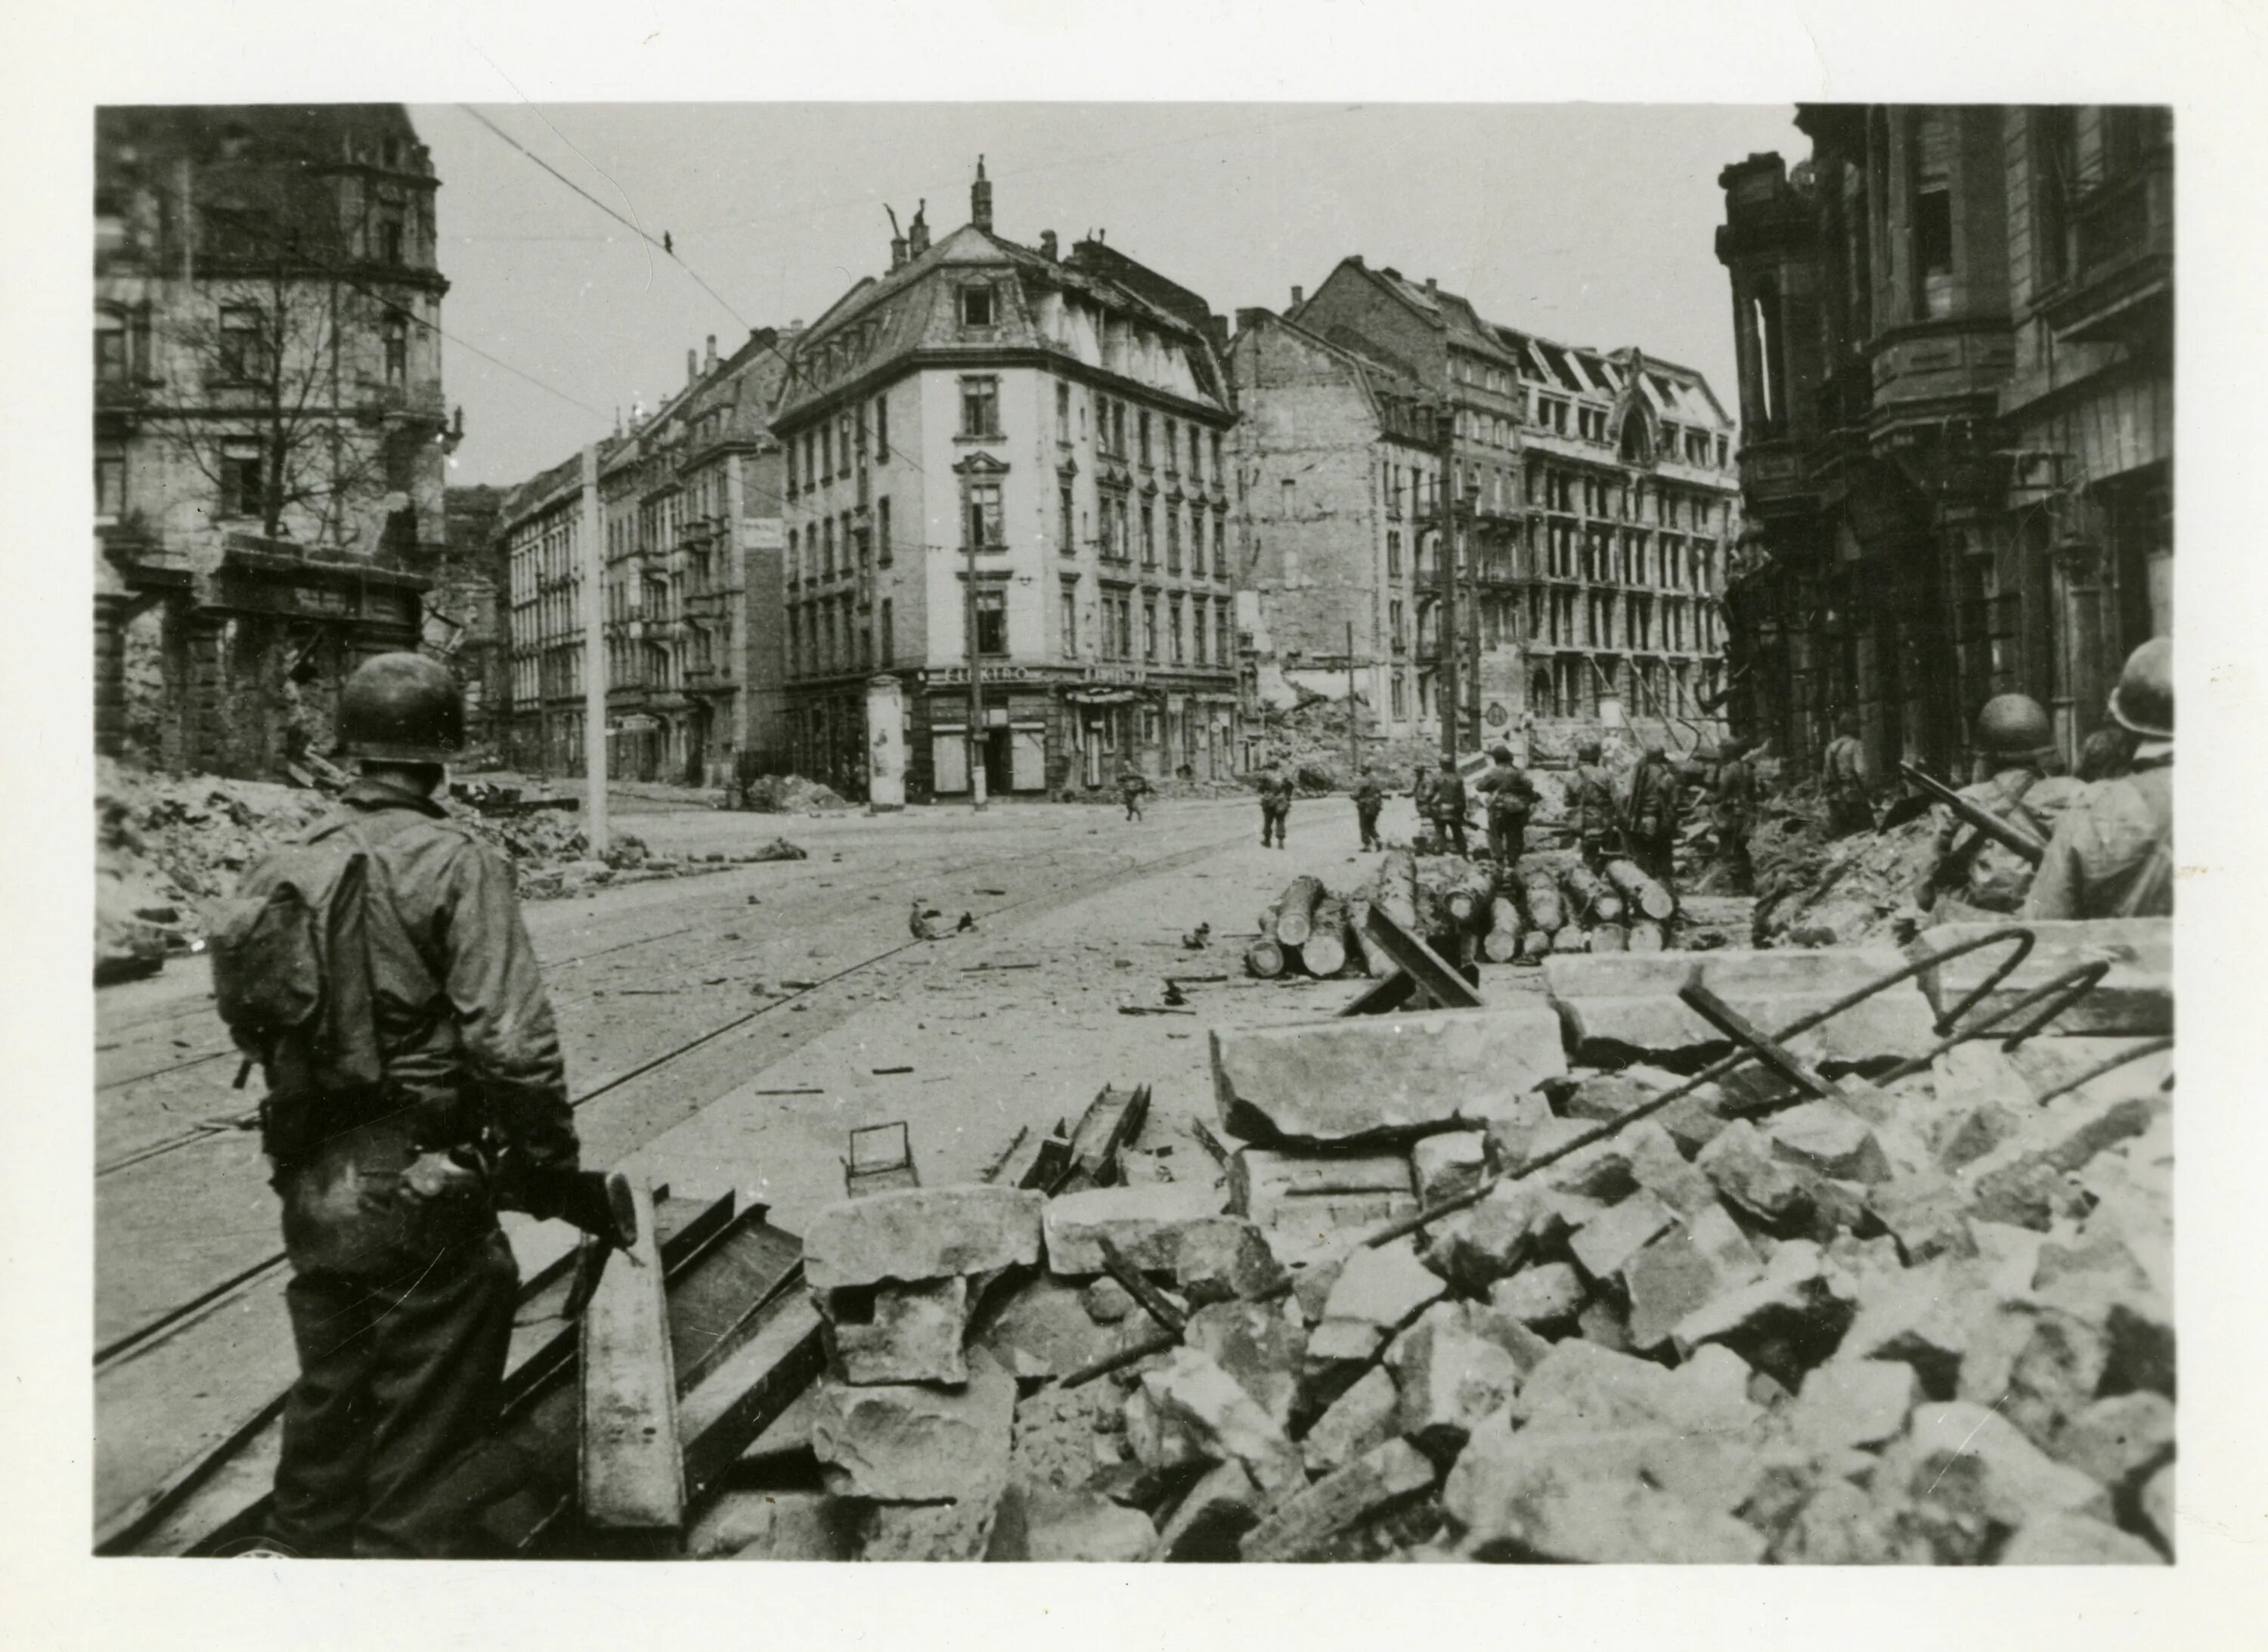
(1984, 820)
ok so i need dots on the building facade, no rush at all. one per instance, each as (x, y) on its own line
(269, 433)
(1956, 382)
(689, 509)
(1335, 469)
(1593, 502)
(1001, 457)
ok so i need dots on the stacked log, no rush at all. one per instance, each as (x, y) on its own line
(1645, 935)
(1264, 957)
(1501, 944)
(1324, 952)
(1609, 938)
(1644, 894)
(1540, 894)
(1593, 899)
(1466, 896)
(1359, 949)
(1396, 887)
(1295, 911)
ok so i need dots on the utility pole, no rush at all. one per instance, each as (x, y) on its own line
(1444, 512)
(975, 683)
(594, 660)
(1354, 733)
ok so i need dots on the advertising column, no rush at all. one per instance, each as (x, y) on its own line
(886, 745)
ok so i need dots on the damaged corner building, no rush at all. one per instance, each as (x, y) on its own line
(268, 424)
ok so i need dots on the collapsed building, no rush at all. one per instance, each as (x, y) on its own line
(1955, 328)
(268, 425)
(1591, 495)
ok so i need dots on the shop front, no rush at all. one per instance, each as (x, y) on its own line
(1060, 730)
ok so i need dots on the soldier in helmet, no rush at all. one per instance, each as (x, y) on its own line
(1842, 774)
(1369, 798)
(2015, 743)
(2112, 853)
(1653, 821)
(1510, 796)
(391, 1166)
(1732, 808)
(1446, 803)
(1591, 804)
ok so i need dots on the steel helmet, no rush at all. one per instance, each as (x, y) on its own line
(1587, 750)
(2143, 702)
(1501, 753)
(1656, 746)
(401, 708)
(2012, 726)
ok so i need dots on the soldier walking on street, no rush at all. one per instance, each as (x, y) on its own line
(1275, 805)
(1591, 804)
(2112, 853)
(1369, 797)
(1511, 798)
(1446, 803)
(1653, 803)
(1850, 806)
(1733, 810)
(378, 971)
(1133, 786)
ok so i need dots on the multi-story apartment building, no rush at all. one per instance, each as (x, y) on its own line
(269, 427)
(689, 505)
(1956, 383)
(1593, 499)
(1336, 467)
(998, 451)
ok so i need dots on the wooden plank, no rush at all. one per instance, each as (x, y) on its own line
(1309, 1519)
(632, 1477)
(1382, 997)
(1112, 1120)
(747, 1393)
(1432, 973)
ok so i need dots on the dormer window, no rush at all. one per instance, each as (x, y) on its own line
(976, 307)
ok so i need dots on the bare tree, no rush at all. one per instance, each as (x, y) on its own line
(284, 429)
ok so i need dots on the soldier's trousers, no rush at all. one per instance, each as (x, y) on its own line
(1366, 816)
(396, 1377)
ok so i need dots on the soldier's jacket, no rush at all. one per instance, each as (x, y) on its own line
(1446, 800)
(2112, 853)
(1735, 799)
(1846, 768)
(1133, 783)
(1275, 791)
(1591, 802)
(1991, 875)
(1654, 801)
(1507, 790)
(1369, 793)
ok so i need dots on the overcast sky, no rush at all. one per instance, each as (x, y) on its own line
(1591, 223)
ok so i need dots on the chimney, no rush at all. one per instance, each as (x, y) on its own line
(711, 365)
(1248, 319)
(692, 366)
(1048, 244)
(1299, 297)
(1433, 288)
(1217, 330)
(980, 199)
(897, 242)
(917, 231)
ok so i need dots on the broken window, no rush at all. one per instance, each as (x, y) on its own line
(882, 427)
(110, 351)
(1067, 618)
(1173, 448)
(1178, 650)
(986, 531)
(1063, 412)
(882, 531)
(980, 407)
(1932, 214)
(1063, 541)
(1141, 436)
(110, 480)
(242, 480)
(991, 622)
(389, 239)
(976, 306)
(397, 351)
(1223, 652)
(243, 344)
(1149, 537)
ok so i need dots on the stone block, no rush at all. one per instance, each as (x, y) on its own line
(960, 1530)
(2037, 1366)
(1683, 1270)
(1607, 1243)
(2071, 1540)
(1920, 1318)
(1298, 1528)
(1660, 1168)
(921, 1232)
(1451, 1377)
(1044, 1329)
(1601, 1096)
(1373, 1077)
(1303, 1200)
(1170, 1228)
(2021, 1182)
(1620, 1008)
(1447, 1164)
(1159, 1441)
(1213, 1519)
(1257, 1346)
(1106, 1302)
(776, 1526)
(1357, 1420)
(897, 1333)
(1788, 1320)
(1582, 1387)
(1542, 1293)
(2158, 1506)
(2135, 999)
(904, 1442)
(1483, 1243)
(1385, 1287)
(1828, 1139)
(2120, 1441)
(1511, 1128)
(1192, 1392)
(1972, 1459)
(1040, 1522)
(1740, 1164)
(1602, 1320)
(1849, 1403)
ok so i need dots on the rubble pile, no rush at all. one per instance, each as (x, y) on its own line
(168, 847)
(783, 794)
(1816, 891)
(1310, 741)
(1924, 1321)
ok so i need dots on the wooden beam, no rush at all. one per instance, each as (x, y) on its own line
(632, 1477)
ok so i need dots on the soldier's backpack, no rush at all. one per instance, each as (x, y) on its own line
(291, 979)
